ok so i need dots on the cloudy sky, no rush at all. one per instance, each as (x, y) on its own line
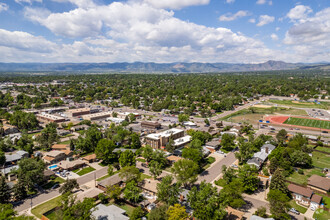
(235, 31)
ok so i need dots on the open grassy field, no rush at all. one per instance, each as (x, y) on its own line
(324, 149)
(323, 105)
(302, 178)
(321, 160)
(252, 115)
(308, 122)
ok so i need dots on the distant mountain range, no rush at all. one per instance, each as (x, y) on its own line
(139, 67)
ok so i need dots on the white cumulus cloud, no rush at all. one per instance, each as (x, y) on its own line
(265, 19)
(3, 7)
(274, 37)
(299, 13)
(230, 1)
(231, 17)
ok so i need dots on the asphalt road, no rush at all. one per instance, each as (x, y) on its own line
(214, 171)
(49, 194)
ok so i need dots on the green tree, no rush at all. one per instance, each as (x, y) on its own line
(249, 176)
(69, 185)
(206, 202)
(147, 153)
(273, 165)
(113, 191)
(129, 174)
(227, 141)
(135, 141)
(261, 211)
(31, 172)
(183, 118)
(232, 194)
(19, 191)
(177, 212)
(278, 182)
(104, 150)
(2, 159)
(132, 192)
(279, 206)
(159, 213)
(48, 136)
(131, 117)
(168, 192)
(228, 174)
(4, 189)
(110, 170)
(185, 171)
(137, 213)
(207, 122)
(281, 136)
(127, 158)
(193, 154)
(155, 169)
(170, 145)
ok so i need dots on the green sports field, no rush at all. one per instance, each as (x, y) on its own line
(308, 122)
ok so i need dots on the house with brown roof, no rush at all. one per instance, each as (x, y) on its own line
(301, 194)
(54, 156)
(71, 165)
(65, 148)
(319, 183)
(305, 196)
(90, 158)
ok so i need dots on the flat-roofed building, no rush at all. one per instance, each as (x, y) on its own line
(158, 140)
(182, 141)
(44, 117)
(78, 111)
(96, 116)
(151, 124)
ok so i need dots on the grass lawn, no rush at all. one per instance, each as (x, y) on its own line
(51, 183)
(321, 160)
(209, 161)
(308, 122)
(324, 149)
(254, 114)
(51, 216)
(45, 207)
(67, 135)
(141, 160)
(145, 176)
(220, 182)
(325, 200)
(323, 105)
(84, 171)
(65, 142)
(302, 179)
(320, 214)
(32, 134)
(299, 208)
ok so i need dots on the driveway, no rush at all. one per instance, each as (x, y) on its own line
(214, 171)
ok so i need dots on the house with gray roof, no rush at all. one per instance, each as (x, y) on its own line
(111, 212)
(260, 157)
(12, 159)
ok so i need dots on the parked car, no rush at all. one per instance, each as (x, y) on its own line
(293, 210)
(55, 186)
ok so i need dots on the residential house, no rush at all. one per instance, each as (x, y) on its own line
(65, 148)
(90, 193)
(255, 217)
(9, 129)
(112, 180)
(301, 194)
(79, 127)
(213, 145)
(54, 156)
(305, 196)
(259, 157)
(12, 159)
(90, 158)
(48, 174)
(319, 183)
(71, 165)
(112, 212)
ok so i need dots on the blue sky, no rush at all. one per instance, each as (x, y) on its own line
(234, 31)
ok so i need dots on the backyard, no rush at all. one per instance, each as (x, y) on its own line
(45, 207)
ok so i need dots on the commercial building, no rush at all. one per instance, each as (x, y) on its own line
(44, 117)
(78, 112)
(158, 140)
(150, 124)
(96, 116)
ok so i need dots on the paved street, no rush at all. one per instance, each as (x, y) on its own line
(49, 194)
(214, 171)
